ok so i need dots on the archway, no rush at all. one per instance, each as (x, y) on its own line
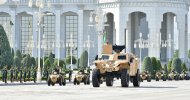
(137, 24)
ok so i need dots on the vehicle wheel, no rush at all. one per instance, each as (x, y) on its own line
(164, 79)
(124, 78)
(60, 82)
(96, 78)
(52, 84)
(109, 81)
(84, 80)
(136, 80)
(88, 80)
(49, 81)
(64, 82)
(75, 81)
(78, 83)
(157, 79)
(148, 79)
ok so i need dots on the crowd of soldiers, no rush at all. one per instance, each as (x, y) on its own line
(19, 74)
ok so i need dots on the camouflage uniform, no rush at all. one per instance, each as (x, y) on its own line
(16, 74)
(34, 74)
(29, 72)
(5, 74)
(12, 74)
(21, 74)
(25, 71)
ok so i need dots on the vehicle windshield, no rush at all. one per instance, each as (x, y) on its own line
(105, 57)
(122, 57)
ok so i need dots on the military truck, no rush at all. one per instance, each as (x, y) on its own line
(82, 76)
(173, 75)
(124, 66)
(184, 76)
(160, 75)
(145, 75)
(56, 77)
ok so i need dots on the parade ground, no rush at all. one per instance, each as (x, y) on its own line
(169, 90)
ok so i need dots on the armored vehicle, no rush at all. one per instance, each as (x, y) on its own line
(145, 76)
(160, 75)
(173, 76)
(82, 76)
(119, 65)
(56, 77)
(184, 76)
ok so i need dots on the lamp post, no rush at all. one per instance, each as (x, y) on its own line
(88, 44)
(100, 20)
(40, 14)
(71, 45)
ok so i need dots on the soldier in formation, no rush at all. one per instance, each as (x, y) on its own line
(34, 74)
(5, 74)
(21, 74)
(12, 74)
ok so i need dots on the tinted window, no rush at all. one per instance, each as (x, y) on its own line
(105, 57)
(122, 57)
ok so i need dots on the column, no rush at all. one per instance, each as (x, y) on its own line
(35, 35)
(182, 39)
(80, 31)
(154, 23)
(57, 45)
(120, 25)
(170, 30)
(129, 46)
(13, 32)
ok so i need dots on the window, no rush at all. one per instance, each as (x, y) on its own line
(49, 33)
(122, 57)
(26, 34)
(105, 57)
(72, 28)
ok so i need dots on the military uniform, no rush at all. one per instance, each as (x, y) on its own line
(34, 74)
(5, 74)
(16, 74)
(29, 72)
(12, 74)
(21, 74)
(25, 71)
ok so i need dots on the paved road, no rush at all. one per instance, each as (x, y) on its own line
(169, 90)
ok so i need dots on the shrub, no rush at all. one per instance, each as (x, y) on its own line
(183, 66)
(176, 65)
(170, 66)
(154, 64)
(147, 65)
(83, 63)
(166, 69)
(159, 65)
(17, 61)
(68, 60)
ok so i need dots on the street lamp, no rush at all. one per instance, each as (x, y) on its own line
(88, 44)
(100, 20)
(40, 5)
(71, 45)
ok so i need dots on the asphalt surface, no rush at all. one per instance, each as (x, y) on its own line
(169, 90)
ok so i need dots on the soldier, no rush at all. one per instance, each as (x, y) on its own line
(16, 73)
(12, 74)
(47, 74)
(34, 74)
(29, 74)
(25, 71)
(5, 74)
(21, 74)
(70, 75)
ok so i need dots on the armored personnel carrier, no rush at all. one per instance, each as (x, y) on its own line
(184, 76)
(173, 76)
(145, 76)
(56, 77)
(124, 66)
(82, 76)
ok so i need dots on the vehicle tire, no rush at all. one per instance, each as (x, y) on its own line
(78, 83)
(164, 79)
(148, 79)
(64, 82)
(96, 78)
(88, 80)
(136, 80)
(157, 79)
(109, 81)
(124, 78)
(75, 81)
(52, 84)
(49, 81)
(84, 80)
(60, 82)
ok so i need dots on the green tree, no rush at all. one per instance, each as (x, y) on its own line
(170, 66)
(68, 60)
(33, 62)
(47, 64)
(6, 57)
(147, 65)
(17, 62)
(183, 66)
(176, 65)
(159, 66)
(165, 69)
(61, 63)
(189, 54)
(154, 64)
(83, 63)
(176, 54)
(18, 54)
(28, 61)
(51, 58)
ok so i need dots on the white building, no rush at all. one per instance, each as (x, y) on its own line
(126, 19)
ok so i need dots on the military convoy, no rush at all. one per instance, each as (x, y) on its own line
(124, 66)
(56, 77)
(145, 76)
(184, 76)
(82, 76)
(173, 75)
